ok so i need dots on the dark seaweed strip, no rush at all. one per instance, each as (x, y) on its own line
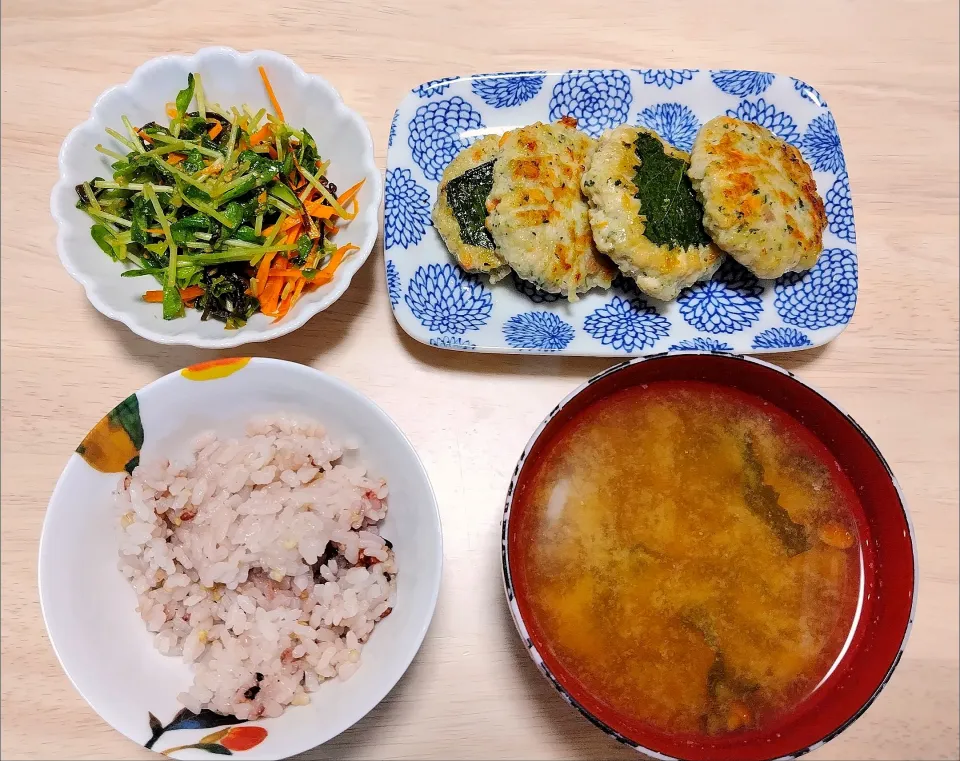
(467, 196)
(763, 501)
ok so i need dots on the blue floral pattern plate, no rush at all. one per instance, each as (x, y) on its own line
(439, 304)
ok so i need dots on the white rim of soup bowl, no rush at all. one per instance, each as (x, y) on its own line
(303, 311)
(44, 568)
(521, 625)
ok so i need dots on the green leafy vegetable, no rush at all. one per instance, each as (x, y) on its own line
(282, 192)
(247, 234)
(261, 172)
(183, 229)
(103, 237)
(667, 199)
(234, 212)
(185, 96)
(467, 196)
(304, 244)
(140, 219)
(193, 162)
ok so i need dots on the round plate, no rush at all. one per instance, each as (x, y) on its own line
(90, 609)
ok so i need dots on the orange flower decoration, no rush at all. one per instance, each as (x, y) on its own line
(243, 737)
(226, 742)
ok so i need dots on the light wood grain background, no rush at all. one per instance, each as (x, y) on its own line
(890, 73)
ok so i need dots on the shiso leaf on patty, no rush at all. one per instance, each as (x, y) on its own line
(674, 215)
(645, 214)
(460, 212)
(467, 196)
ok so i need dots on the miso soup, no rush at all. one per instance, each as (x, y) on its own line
(691, 555)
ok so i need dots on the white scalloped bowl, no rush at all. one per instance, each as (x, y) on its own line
(229, 78)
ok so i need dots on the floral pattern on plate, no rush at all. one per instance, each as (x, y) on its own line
(440, 305)
(674, 122)
(666, 77)
(406, 210)
(538, 330)
(510, 89)
(237, 736)
(767, 115)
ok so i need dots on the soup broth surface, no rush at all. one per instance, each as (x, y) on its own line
(691, 556)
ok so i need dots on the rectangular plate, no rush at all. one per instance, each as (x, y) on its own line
(439, 304)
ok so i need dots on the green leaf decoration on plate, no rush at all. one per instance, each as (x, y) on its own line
(113, 445)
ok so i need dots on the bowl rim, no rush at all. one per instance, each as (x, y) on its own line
(231, 339)
(434, 568)
(521, 626)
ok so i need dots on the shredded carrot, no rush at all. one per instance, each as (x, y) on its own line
(262, 271)
(172, 110)
(262, 198)
(261, 134)
(319, 210)
(350, 193)
(273, 98)
(321, 214)
(283, 308)
(294, 233)
(154, 230)
(285, 273)
(290, 299)
(272, 153)
(270, 296)
(175, 158)
(145, 136)
(325, 275)
(187, 294)
(215, 130)
(212, 168)
(297, 291)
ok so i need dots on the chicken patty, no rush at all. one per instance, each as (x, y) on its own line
(760, 201)
(460, 211)
(537, 214)
(644, 213)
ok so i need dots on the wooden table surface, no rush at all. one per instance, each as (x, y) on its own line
(888, 70)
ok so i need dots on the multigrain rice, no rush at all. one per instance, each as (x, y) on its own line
(258, 560)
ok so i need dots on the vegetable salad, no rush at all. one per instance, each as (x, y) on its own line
(229, 211)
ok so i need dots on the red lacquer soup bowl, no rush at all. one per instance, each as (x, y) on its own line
(889, 572)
